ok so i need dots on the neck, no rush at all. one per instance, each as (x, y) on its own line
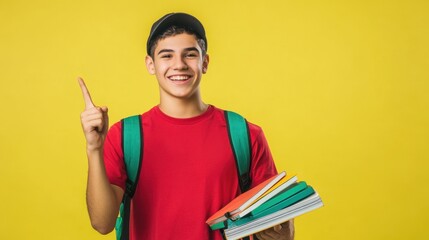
(182, 108)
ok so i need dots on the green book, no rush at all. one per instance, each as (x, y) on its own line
(301, 195)
(308, 191)
(285, 198)
(287, 193)
(259, 223)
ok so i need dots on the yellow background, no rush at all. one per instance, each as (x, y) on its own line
(341, 89)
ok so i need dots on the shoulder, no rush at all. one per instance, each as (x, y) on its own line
(256, 134)
(116, 128)
(114, 131)
(255, 131)
(254, 128)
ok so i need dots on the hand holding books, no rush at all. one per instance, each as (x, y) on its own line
(271, 203)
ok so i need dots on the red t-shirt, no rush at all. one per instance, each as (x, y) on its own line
(188, 173)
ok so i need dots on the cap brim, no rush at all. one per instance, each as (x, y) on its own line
(179, 20)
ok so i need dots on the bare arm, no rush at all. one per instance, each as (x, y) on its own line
(102, 198)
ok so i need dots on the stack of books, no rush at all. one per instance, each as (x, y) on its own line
(270, 203)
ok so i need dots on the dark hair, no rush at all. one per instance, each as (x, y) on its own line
(173, 31)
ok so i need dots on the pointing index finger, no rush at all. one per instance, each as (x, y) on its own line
(86, 96)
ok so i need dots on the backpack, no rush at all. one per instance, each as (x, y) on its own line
(132, 142)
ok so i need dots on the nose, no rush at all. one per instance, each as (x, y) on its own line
(180, 64)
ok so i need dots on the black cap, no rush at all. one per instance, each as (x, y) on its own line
(179, 20)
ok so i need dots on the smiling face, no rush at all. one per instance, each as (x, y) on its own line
(178, 64)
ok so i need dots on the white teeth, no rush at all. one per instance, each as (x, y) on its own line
(179, 78)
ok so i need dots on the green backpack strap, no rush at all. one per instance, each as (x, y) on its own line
(132, 145)
(238, 131)
(239, 137)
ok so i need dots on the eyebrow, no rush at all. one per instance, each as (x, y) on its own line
(191, 49)
(165, 50)
(186, 50)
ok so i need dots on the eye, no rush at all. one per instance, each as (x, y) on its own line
(166, 56)
(191, 55)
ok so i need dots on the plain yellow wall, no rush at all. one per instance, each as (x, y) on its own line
(341, 89)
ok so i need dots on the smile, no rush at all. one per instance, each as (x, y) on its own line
(179, 77)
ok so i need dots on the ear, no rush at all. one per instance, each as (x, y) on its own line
(205, 63)
(150, 65)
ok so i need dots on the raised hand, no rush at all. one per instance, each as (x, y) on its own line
(94, 119)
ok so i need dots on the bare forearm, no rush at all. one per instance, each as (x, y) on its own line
(102, 201)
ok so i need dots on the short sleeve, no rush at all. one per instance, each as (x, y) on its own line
(113, 156)
(262, 165)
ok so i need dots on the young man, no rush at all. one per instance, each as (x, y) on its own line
(188, 169)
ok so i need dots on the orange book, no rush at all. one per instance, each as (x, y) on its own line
(244, 200)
